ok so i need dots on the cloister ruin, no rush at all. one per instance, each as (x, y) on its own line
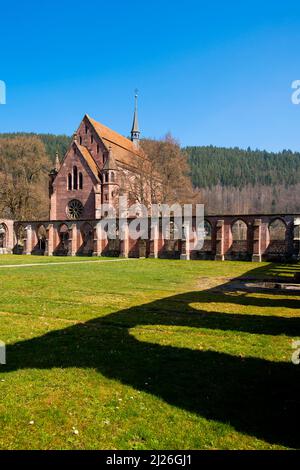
(246, 237)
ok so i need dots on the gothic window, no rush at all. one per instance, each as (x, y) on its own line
(74, 209)
(106, 177)
(112, 177)
(207, 230)
(2, 236)
(75, 178)
(239, 231)
(277, 230)
(80, 181)
(42, 237)
(69, 182)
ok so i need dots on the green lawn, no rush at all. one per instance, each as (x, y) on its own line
(146, 354)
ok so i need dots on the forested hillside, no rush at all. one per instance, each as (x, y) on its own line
(211, 166)
(231, 180)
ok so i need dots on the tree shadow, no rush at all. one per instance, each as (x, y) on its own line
(257, 397)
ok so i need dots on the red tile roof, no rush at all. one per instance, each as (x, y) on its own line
(89, 159)
(122, 148)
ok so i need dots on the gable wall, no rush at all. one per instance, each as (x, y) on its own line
(62, 195)
(85, 138)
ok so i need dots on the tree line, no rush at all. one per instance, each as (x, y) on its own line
(234, 167)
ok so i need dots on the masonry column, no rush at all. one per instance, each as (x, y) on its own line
(100, 239)
(220, 241)
(49, 241)
(29, 239)
(256, 250)
(296, 239)
(34, 238)
(73, 239)
(185, 243)
(154, 236)
(124, 238)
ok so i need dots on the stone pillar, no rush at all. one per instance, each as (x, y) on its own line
(185, 243)
(220, 241)
(296, 239)
(124, 238)
(50, 241)
(100, 240)
(73, 238)
(29, 240)
(256, 249)
(34, 239)
(154, 237)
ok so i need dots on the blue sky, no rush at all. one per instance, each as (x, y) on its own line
(215, 73)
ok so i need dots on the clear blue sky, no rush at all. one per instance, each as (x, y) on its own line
(215, 72)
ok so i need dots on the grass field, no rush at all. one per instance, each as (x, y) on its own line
(146, 354)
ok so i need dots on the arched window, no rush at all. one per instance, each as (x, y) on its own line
(204, 239)
(69, 181)
(80, 181)
(278, 246)
(106, 177)
(42, 237)
(3, 232)
(75, 178)
(239, 231)
(112, 177)
(277, 230)
(239, 246)
(207, 230)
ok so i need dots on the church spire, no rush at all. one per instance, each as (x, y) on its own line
(135, 131)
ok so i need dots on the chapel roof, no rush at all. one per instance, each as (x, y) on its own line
(123, 149)
(89, 159)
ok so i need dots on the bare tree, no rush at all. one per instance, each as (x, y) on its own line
(23, 178)
(166, 173)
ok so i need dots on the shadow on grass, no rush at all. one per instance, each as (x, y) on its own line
(257, 397)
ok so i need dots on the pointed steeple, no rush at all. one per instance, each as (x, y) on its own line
(135, 131)
(110, 163)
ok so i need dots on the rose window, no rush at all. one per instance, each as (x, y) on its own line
(74, 209)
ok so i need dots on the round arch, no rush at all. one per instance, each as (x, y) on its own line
(87, 236)
(20, 239)
(63, 235)
(278, 246)
(239, 237)
(239, 230)
(41, 233)
(3, 237)
(277, 229)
